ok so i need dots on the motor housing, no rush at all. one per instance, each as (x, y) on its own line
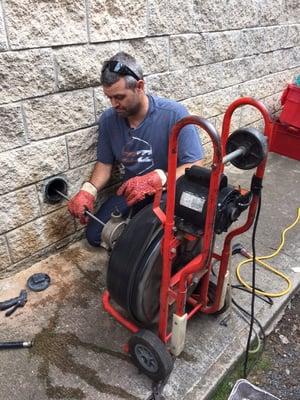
(191, 202)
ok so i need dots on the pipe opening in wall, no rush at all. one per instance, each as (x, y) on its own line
(53, 188)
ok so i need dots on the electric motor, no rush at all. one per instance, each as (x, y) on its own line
(191, 202)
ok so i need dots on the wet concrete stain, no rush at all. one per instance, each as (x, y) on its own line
(82, 300)
(78, 291)
(52, 348)
(187, 357)
(59, 225)
(78, 258)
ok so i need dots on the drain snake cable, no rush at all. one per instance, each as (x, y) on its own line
(269, 267)
(257, 292)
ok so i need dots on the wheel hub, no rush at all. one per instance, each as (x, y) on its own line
(146, 358)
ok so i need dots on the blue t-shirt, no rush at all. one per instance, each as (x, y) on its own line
(145, 148)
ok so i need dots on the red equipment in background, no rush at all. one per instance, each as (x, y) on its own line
(285, 140)
(174, 288)
(286, 131)
(290, 101)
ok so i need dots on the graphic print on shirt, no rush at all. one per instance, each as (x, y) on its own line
(137, 156)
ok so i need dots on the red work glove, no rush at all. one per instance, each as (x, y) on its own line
(136, 189)
(82, 201)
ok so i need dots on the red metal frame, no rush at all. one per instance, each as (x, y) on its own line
(175, 287)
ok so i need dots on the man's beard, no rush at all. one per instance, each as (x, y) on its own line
(130, 111)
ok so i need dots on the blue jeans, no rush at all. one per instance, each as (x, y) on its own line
(94, 229)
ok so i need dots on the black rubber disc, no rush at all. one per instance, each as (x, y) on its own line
(38, 282)
(255, 143)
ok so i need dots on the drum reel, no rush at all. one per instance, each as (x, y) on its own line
(134, 269)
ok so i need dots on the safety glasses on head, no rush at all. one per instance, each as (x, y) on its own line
(119, 68)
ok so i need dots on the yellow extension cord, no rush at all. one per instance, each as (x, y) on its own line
(267, 266)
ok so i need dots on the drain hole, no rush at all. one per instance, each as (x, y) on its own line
(52, 186)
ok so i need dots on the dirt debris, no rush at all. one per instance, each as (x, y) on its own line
(282, 353)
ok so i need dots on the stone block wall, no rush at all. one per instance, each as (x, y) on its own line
(202, 53)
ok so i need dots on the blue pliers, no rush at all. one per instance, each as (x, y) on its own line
(12, 304)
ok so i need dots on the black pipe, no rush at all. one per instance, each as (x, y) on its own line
(14, 345)
(53, 184)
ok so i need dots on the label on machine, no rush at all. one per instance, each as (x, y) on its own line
(191, 201)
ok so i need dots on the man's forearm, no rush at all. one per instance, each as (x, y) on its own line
(181, 169)
(100, 175)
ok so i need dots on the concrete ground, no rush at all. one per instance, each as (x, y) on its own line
(78, 348)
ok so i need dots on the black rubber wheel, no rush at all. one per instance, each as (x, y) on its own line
(150, 355)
